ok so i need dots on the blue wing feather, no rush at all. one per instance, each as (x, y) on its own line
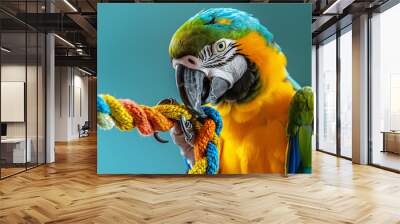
(294, 154)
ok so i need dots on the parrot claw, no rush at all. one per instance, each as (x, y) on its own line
(158, 138)
(156, 134)
(167, 101)
(184, 124)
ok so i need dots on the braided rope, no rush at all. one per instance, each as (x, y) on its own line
(126, 115)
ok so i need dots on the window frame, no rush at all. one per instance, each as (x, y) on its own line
(336, 35)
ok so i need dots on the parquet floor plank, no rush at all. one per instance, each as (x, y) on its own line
(70, 191)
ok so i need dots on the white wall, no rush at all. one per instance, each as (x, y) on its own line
(16, 72)
(80, 111)
(62, 82)
(71, 102)
(34, 125)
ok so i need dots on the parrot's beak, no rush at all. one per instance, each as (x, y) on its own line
(196, 89)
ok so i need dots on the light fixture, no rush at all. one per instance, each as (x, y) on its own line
(65, 41)
(5, 50)
(70, 5)
(84, 71)
(79, 51)
(329, 9)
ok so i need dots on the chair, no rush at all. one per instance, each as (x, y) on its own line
(84, 129)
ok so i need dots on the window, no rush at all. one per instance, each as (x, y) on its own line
(385, 89)
(327, 96)
(22, 78)
(346, 93)
(314, 88)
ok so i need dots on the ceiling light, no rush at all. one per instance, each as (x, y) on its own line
(329, 9)
(5, 50)
(65, 41)
(79, 51)
(84, 71)
(70, 5)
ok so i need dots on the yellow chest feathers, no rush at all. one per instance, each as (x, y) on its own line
(254, 134)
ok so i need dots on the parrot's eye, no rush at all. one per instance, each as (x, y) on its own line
(220, 46)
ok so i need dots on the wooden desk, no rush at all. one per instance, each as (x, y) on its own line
(16, 153)
(391, 141)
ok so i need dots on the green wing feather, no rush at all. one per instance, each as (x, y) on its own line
(300, 127)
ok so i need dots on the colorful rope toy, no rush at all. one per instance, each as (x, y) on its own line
(126, 115)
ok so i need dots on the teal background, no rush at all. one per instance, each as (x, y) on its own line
(133, 63)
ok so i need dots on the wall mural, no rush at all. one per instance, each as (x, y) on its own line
(239, 108)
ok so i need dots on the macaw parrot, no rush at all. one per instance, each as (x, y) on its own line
(225, 57)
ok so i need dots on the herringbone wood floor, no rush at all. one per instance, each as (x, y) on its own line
(70, 191)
